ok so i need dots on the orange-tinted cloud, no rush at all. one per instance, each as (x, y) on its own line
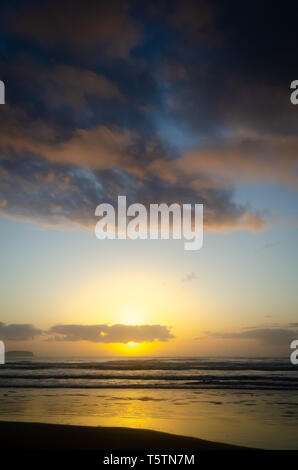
(94, 165)
(110, 334)
(250, 159)
(65, 84)
(77, 25)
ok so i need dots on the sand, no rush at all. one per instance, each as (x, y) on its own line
(38, 436)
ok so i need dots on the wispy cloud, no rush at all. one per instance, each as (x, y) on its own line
(266, 336)
(189, 277)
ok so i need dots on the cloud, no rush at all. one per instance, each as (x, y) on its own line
(55, 194)
(63, 86)
(189, 277)
(267, 336)
(94, 333)
(194, 18)
(18, 332)
(268, 246)
(76, 25)
(99, 147)
(69, 85)
(77, 171)
(239, 159)
(89, 111)
(246, 159)
(110, 334)
(238, 83)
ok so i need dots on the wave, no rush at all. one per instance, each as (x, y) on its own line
(175, 373)
(260, 364)
(175, 386)
(205, 378)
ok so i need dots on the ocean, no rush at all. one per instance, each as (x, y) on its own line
(246, 401)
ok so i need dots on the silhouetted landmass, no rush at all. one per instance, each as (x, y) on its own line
(9, 354)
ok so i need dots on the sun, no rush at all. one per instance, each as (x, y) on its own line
(131, 348)
(132, 344)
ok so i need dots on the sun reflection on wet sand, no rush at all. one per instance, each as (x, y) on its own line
(237, 417)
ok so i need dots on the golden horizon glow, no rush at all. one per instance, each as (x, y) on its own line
(131, 348)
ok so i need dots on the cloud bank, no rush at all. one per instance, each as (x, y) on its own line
(266, 336)
(123, 110)
(18, 332)
(117, 333)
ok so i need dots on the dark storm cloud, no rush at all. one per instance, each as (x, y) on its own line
(18, 332)
(67, 85)
(266, 336)
(243, 78)
(110, 334)
(86, 81)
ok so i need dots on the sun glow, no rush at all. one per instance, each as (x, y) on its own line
(131, 316)
(131, 348)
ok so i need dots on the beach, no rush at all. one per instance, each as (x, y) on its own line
(237, 401)
(40, 436)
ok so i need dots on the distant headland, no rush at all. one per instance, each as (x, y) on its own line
(19, 354)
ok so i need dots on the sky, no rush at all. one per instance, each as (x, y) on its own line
(169, 101)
